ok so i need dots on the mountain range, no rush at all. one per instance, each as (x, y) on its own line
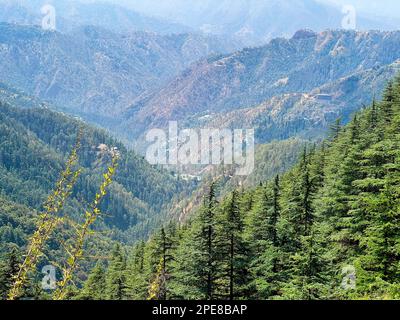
(130, 83)
(74, 14)
(285, 88)
(94, 71)
(289, 90)
(258, 21)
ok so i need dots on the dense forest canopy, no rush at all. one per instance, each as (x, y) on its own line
(87, 87)
(329, 228)
(33, 151)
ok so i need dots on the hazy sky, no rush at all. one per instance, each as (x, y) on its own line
(373, 7)
(380, 8)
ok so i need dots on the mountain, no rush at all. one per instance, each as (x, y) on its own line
(309, 115)
(35, 144)
(73, 14)
(282, 88)
(327, 229)
(95, 72)
(130, 83)
(257, 21)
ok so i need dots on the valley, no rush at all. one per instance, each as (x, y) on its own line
(316, 216)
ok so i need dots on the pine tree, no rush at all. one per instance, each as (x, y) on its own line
(196, 268)
(274, 213)
(207, 242)
(8, 270)
(262, 236)
(115, 275)
(335, 129)
(163, 245)
(137, 280)
(95, 286)
(311, 274)
(232, 252)
(298, 211)
(386, 106)
(334, 198)
(304, 257)
(378, 263)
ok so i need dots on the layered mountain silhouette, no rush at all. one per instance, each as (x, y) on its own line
(94, 71)
(73, 14)
(257, 21)
(284, 87)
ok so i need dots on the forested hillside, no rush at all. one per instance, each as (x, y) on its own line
(326, 229)
(271, 159)
(35, 144)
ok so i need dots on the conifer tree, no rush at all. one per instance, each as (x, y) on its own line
(137, 282)
(8, 270)
(264, 242)
(163, 244)
(335, 129)
(378, 263)
(116, 275)
(386, 106)
(207, 243)
(298, 206)
(311, 274)
(196, 268)
(95, 286)
(232, 252)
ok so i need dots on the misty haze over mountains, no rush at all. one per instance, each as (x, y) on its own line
(73, 14)
(130, 84)
(200, 149)
(131, 65)
(253, 22)
(260, 20)
(131, 70)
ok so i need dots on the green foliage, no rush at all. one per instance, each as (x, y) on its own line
(137, 276)
(9, 268)
(233, 258)
(116, 277)
(94, 287)
(35, 145)
(326, 229)
(76, 250)
(329, 228)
